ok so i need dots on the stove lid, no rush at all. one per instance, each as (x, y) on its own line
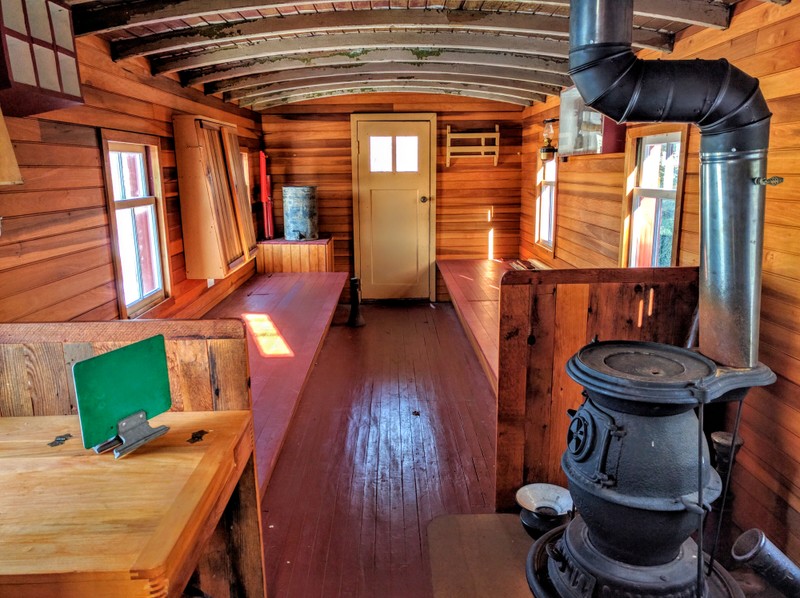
(656, 373)
(642, 371)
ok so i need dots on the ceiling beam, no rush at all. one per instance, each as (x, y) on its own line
(292, 97)
(523, 89)
(99, 17)
(301, 24)
(400, 19)
(312, 75)
(348, 42)
(551, 70)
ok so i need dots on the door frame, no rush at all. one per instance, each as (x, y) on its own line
(430, 117)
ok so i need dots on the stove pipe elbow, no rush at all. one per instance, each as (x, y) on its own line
(731, 112)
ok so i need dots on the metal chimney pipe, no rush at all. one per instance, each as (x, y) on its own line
(754, 549)
(733, 118)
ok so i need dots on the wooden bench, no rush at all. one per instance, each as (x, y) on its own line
(208, 371)
(474, 288)
(287, 316)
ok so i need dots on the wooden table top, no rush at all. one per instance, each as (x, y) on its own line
(74, 523)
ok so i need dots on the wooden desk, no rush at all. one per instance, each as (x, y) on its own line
(77, 524)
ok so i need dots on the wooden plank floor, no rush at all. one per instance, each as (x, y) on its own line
(474, 288)
(287, 316)
(396, 427)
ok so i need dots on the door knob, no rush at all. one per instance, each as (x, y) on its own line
(423, 199)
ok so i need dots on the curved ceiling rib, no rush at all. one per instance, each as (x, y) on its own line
(310, 76)
(348, 42)
(355, 20)
(473, 92)
(548, 69)
(262, 53)
(100, 17)
(529, 91)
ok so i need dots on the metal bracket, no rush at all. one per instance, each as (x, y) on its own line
(132, 432)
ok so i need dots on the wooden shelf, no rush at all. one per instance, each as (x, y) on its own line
(482, 144)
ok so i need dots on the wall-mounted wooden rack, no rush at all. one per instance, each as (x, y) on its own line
(479, 145)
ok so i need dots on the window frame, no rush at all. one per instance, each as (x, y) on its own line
(111, 141)
(633, 140)
(540, 184)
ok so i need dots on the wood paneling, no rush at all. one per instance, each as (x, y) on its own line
(55, 244)
(279, 255)
(763, 40)
(309, 144)
(546, 316)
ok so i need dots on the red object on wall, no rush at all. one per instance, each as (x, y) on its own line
(266, 196)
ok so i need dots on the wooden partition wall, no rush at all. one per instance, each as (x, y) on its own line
(207, 361)
(545, 317)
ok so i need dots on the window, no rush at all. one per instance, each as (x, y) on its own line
(136, 219)
(654, 202)
(546, 205)
(394, 154)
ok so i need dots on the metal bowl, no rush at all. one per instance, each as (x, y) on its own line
(543, 508)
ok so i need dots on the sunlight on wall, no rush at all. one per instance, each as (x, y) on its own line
(490, 241)
(268, 338)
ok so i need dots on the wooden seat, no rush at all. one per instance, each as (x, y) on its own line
(474, 287)
(287, 316)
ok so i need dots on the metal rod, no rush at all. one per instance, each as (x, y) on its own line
(727, 487)
(700, 569)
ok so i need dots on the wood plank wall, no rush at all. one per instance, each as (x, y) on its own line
(546, 316)
(309, 144)
(55, 250)
(764, 41)
(589, 190)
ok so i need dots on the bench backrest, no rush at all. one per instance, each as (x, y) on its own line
(207, 361)
(545, 317)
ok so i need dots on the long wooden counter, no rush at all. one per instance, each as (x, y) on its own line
(75, 524)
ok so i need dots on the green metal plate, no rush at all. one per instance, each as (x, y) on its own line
(119, 383)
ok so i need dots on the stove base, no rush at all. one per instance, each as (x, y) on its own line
(555, 569)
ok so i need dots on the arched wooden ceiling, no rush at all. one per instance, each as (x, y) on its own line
(263, 53)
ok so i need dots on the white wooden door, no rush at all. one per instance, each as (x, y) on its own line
(393, 196)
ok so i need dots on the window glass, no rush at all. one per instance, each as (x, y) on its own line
(545, 204)
(407, 154)
(380, 154)
(654, 201)
(128, 174)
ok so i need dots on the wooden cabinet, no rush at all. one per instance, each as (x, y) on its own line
(217, 220)
(583, 130)
(280, 255)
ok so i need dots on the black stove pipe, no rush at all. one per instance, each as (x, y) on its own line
(733, 118)
(754, 549)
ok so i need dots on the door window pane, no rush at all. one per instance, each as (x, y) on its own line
(380, 154)
(407, 154)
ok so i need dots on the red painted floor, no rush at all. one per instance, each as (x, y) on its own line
(396, 427)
